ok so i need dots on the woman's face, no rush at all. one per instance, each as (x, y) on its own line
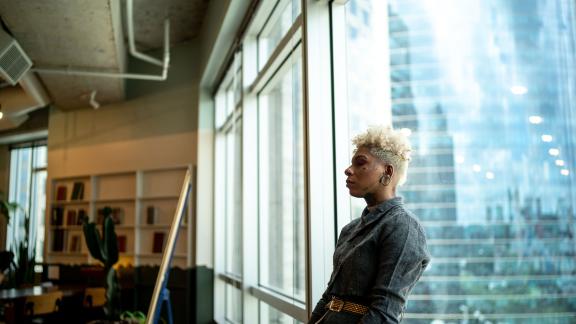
(363, 175)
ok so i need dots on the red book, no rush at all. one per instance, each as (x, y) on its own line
(61, 193)
(158, 242)
(122, 243)
(71, 217)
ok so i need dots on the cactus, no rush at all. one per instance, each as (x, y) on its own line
(105, 250)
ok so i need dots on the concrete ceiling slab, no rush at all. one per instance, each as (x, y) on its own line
(87, 35)
(78, 33)
(186, 17)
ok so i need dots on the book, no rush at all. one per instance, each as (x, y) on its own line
(122, 243)
(58, 240)
(57, 217)
(75, 243)
(151, 215)
(71, 218)
(81, 217)
(158, 242)
(61, 193)
(77, 191)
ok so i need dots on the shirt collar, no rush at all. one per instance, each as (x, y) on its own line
(381, 208)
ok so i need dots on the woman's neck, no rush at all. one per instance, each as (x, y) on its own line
(373, 200)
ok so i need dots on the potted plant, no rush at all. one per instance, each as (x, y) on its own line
(22, 268)
(105, 249)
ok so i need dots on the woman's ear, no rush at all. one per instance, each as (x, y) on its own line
(389, 170)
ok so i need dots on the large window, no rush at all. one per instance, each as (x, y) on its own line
(282, 184)
(28, 190)
(260, 174)
(229, 187)
(486, 91)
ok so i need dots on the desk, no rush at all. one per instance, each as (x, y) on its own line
(14, 299)
(15, 293)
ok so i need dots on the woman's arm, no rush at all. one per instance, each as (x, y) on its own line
(402, 258)
(320, 308)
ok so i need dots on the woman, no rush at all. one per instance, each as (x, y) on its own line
(380, 256)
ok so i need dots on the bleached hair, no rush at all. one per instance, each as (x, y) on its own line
(388, 145)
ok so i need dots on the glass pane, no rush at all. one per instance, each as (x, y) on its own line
(281, 174)
(270, 315)
(234, 200)
(279, 23)
(233, 304)
(40, 157)
(19, 192)
(486, 89)
(38, 211)
(368, 78)
(220, 106)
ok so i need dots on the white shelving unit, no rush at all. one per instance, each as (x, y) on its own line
(145, 202)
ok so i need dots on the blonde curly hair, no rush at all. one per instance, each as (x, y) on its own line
(388, 145)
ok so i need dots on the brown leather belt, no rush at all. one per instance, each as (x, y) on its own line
(339, 305)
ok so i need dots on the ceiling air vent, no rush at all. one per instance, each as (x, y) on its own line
(13, 61)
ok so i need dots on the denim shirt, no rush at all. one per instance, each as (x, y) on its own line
(378, 259)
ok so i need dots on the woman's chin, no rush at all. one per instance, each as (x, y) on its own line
(355, 194)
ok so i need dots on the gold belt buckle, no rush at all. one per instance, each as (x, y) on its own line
(336, 305)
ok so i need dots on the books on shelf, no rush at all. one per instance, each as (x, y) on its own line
(61, 193)
(158, 242)
(75, 243)
(57, 216)
(121, 243)
(58, 240)
(71, 217)
(151, 215)
(117, 215)
(81, 217)
(77, 191)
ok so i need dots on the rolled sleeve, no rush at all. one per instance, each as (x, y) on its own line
(402, 259)
(320, 308)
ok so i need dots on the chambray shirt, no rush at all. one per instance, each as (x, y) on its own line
(378, 259)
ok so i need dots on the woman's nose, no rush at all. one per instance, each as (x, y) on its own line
(347, 171)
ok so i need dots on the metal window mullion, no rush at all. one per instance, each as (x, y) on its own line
(250, 167)
(320, 148)
(288, 306)
(277, 11)
(341, 122)
(282, 51)
(31, 187)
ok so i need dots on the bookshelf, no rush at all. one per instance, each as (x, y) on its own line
(143, 203)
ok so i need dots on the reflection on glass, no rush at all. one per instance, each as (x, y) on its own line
(233, 304)
(367, 75)
(478, 83)
(281, 173)
(271, 315)
(275, 28)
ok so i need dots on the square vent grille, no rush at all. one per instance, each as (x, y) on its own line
(13, 61)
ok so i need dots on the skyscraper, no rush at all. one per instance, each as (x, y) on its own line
(486, 89)
(482, 85)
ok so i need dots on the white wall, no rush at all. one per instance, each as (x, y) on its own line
(148, 132)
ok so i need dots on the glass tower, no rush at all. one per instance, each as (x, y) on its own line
(486, 89)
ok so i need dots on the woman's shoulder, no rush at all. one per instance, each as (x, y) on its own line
(404, 220)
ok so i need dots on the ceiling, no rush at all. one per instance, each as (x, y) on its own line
(91, 35)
